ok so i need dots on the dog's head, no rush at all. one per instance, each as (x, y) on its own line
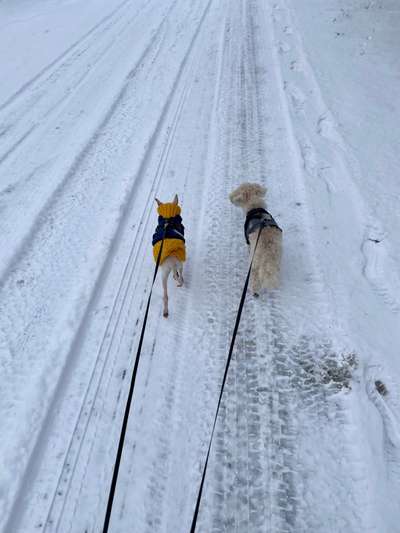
(248, 194)
(170, 209)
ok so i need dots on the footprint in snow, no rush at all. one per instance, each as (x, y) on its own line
(283, 47)
(383, 394)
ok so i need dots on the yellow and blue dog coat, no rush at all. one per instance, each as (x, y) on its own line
(174, 243)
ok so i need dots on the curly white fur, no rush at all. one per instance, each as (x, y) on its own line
(265, 272)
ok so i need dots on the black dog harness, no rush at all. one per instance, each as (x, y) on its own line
(257, 218)
(175, 229)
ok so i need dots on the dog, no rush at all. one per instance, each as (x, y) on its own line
(173, 249)
(265, 272)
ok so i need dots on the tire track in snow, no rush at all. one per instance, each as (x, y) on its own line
(218, 262)
(44, 107)
(161, 417)
(55, 174)
(196, 314)
(16, 144)
(231, 499)
(60, 191)
(218, 271)
(33, 115)
(163, 449)
(65, 378)
(206, 313)
(160, 500)
(237, 496)
(203, 317)
(97, 28)
(263, 387)
(304, 405)
(128, 278)
(67, 474)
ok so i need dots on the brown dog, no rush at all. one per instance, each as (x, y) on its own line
(267, 259)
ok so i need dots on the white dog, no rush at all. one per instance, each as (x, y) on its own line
(267, 259)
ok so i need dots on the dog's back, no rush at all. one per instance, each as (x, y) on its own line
(171, 228)
(268, 257)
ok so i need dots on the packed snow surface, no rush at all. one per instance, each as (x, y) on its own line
(105, 104)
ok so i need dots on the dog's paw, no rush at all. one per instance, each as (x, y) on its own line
(256, 295)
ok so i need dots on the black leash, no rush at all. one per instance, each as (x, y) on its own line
(235, 330)
(129, 400)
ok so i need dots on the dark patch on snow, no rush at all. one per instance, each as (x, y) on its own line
(381, 387)
(320, 365)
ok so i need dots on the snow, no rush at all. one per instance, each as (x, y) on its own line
(105, 105)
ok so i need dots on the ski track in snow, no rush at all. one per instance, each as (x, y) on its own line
(236, 99)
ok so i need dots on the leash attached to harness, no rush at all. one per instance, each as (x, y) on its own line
(258, 218)
(130, 394)
(175, 234)
(235, 330)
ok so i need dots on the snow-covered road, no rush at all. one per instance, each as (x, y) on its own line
(106, 105)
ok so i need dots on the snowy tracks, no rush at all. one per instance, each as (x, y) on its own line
(333, 178)
(194, 99)
(336, 215)
(59, 278)
(292, 373)
(42, 142)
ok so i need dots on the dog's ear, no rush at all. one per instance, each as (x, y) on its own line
(158, 202)
(175, 200)
(236, 197)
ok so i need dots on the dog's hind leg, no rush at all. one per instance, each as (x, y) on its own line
(272, 279)
(166, 269)
(178, 273)
(255, 281)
